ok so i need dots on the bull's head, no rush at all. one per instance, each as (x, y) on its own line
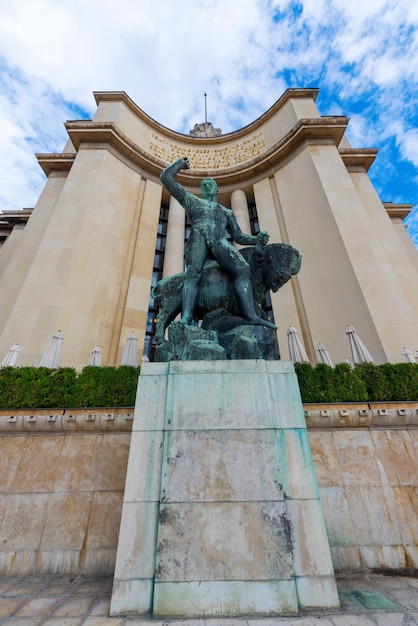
(280, 262)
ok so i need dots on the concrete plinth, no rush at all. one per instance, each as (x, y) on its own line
(221, 512)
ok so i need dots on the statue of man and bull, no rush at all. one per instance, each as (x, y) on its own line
(222, 286)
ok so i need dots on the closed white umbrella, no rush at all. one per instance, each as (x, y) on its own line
(95, 357)
(407, 355)
(130, 353)
(358, 349)
(11, 357)
(52, 355)
(323, 355)
(296, 349)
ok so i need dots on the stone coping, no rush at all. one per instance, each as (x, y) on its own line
(361, 415)
(66, 420)
(110, 419)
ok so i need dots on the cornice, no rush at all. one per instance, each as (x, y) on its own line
(397, 210)
(289, 94)
(15, 217)
(358, 157)
(318, 130)
(51, 162)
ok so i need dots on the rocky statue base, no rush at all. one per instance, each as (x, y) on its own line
(221, 513)
(222, 336)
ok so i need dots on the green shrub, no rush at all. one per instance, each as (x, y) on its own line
(308, 383)
(326, 384)
(402, 380)
(374, 379)
(107, 386)
(36, 387)
(41, 387)
(348, 385)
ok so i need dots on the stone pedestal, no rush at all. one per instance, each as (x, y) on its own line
(221, 513)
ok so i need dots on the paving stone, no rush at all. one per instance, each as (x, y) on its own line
(102, 607)
(92, 586)
(75, 606)
(392, 619)
(370, 600)
(25, 589)
(37, 607)
(9, 605)
(104, 621)
(406, 597)
(373, 600)
(23, 621)
(352, 620)
(64, 621)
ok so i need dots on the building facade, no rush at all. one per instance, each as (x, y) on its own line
(105, 230)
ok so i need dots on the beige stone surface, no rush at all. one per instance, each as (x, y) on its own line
(61, 504)
(221, 466)
(396, 456)
(317, 592)
(213, 598)
(357, 458)
(224, 541)
(38, 465)
(152, 387)
(74, 508)
(311, 556)
(145, 464)
(104, 519)
(358, 511)
(338, 516)
(137, 541)
(299, 480)
(78, 462)
(324, 455)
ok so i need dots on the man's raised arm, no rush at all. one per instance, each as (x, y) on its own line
(167, 178)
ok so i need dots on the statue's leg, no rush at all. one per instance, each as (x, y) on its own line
(238, 269)
(196, 254)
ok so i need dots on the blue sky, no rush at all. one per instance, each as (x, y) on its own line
(362, 55)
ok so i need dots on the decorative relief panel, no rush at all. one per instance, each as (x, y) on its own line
(202, 158)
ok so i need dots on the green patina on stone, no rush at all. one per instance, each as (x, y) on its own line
(374, 601)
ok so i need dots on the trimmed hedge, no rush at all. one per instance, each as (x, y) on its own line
(389, 382)
(41, 387)
(330, 384)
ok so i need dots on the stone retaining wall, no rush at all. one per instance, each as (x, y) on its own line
(63, 473)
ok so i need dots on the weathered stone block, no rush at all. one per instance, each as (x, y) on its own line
(224, 541)
(221, 465)
(239, 519)
(214, 598)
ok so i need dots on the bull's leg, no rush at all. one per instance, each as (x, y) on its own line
(164, 319)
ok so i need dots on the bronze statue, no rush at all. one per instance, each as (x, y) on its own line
(212, 224)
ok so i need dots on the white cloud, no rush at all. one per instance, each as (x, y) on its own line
(362, 55)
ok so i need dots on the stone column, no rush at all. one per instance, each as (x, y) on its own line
(174, 246)
(240, 208)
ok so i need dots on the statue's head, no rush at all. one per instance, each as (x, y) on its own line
(209, 189)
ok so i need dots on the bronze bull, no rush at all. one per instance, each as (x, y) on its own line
(271, 268)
